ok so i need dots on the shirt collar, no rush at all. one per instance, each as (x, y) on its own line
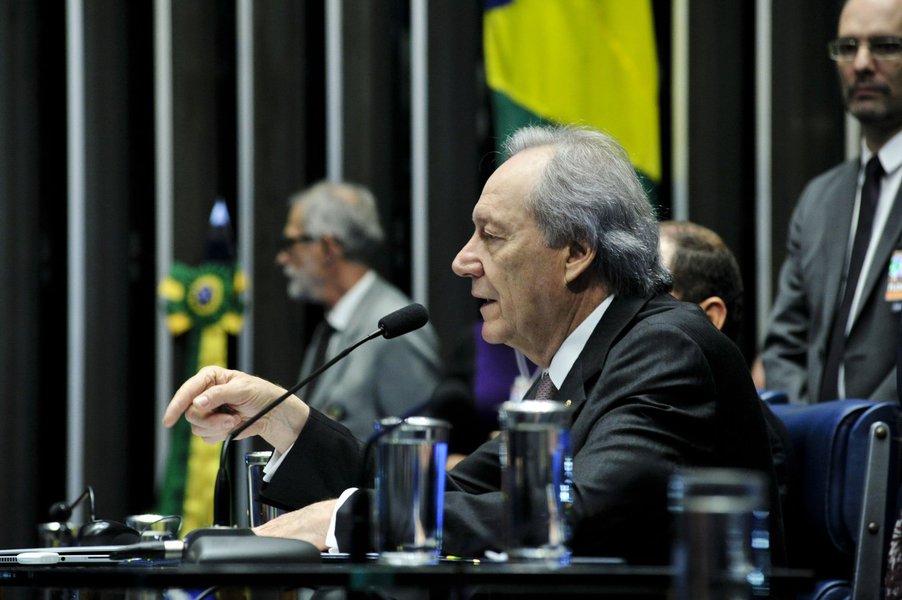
(890, 154)
(572, 347)
(344, 309)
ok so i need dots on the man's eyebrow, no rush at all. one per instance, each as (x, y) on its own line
(488, 221)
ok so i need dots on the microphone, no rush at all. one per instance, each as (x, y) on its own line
(404, 320)
(60, 511)
(97, 532)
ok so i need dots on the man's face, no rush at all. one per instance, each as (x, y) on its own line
(520, 281)
(300, 258)
(871, 88)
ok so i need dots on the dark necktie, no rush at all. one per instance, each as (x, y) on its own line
(870, 194)
(545, 390)
(321, 336)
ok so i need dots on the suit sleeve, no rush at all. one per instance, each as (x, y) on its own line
(325, 460)
(784, 354)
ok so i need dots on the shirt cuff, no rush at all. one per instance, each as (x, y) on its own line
(274, 461)
(331, 542)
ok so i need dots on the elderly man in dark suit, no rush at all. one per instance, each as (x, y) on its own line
(564, 260)
(832, 332)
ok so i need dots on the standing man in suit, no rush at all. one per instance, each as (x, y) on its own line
(832, 334)
(564, 261)
(330, 234)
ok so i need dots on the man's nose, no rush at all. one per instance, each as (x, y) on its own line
(864, 60)
(466, 263)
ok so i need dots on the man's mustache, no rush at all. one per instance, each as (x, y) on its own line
(868, 87)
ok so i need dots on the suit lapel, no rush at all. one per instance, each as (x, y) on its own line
(889, 240)
(591, 360)
(835, 243)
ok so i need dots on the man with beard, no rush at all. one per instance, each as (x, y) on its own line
(330, 234)
(833, 332)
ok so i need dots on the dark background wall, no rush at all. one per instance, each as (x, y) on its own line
(289, 141)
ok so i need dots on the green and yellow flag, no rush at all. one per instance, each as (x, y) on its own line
(589, 62)
(204, 306)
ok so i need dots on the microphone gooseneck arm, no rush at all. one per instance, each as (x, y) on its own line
(402, 321)
(274, 403)
(62, 511)
(222, 493)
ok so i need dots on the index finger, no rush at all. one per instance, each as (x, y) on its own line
(193, 387)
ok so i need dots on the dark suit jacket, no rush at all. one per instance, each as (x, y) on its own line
(809, 293)
(656, 388)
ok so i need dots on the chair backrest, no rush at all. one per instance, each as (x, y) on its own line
(774, 396)
(845, 481)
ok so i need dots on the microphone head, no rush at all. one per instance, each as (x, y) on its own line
(60, 511)
(404, 320)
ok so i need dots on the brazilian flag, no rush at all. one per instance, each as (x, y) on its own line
(204, 306)
(586, 62)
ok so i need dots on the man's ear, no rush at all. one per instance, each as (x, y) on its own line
(331, 246)
(579, 259)
(715, 309)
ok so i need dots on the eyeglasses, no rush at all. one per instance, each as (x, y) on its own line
(287, 243)
(882, 47)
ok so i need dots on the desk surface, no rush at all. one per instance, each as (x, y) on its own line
(576, 578)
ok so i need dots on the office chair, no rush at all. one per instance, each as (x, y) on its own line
(843, 501)
(774, 396)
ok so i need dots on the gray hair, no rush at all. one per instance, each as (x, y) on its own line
(346, 211)
(589, 193)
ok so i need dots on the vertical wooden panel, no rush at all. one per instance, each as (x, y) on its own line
(41, 131)
(808, 115)
(32, 249)
(289, 115)
(454, 157)
(376, 112)
(119, 404)
(721, 134)
(196, 140)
